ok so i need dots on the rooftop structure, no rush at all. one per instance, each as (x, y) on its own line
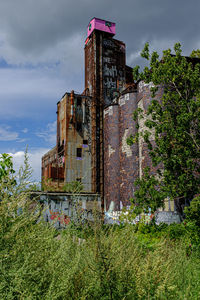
(102, 25)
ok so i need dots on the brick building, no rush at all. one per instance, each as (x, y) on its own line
(92, 127)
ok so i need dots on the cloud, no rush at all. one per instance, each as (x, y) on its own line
(34, 161)
(50, 31)
(43, 43)
(30, 93)
(6, 134)
(49, 134)
(25, 130)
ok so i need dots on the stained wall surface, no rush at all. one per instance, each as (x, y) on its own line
(120, 159)
(128, 154)
(60, 209)
(104, 78)
(73, 151)
(144, 98)
(112, 180)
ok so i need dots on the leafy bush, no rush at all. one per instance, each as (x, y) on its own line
(192, 212)
(73, 187)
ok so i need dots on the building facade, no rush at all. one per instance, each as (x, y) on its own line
(92, 127)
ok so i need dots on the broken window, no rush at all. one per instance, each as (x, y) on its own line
(79, 114)
(79, 127)
(79, 101)
(85, 142)
(108, 24)
(78, 152)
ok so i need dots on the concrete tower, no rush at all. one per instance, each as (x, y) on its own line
(105, 76)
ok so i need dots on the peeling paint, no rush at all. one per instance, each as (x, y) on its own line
(110, 150)
(126, 148)
(122, 101)
(143, 85)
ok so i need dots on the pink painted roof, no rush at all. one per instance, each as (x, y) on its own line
(102, 25)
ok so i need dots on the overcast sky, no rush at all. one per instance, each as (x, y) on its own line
(42, 57)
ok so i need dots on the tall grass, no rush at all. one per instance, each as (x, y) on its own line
(38, 262)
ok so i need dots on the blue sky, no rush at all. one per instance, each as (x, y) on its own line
(42, 57)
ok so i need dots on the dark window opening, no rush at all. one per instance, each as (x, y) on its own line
(79, 101)
(79, 126)
(108, 24)
(85, 142)
(78, 179)
(78, 152)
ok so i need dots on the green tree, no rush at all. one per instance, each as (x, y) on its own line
(174, 119)
(6, 166)
(7, 177)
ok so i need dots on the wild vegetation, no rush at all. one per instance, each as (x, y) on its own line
(93, 261)
(175, 121)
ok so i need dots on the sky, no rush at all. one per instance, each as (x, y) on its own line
(42, 57)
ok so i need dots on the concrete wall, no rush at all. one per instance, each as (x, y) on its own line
(60, 209)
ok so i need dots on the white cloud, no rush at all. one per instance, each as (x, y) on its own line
(25, 130)
(34, 161)
(49, 134)
(6, 134)
(132, 57)
(33, 93)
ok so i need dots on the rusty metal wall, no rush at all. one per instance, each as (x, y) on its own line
(104, 77)
(90, 79)
(73, 132)
(52, 175)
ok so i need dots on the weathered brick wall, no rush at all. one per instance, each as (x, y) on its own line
(128, 154)
(143, 100)
(112, 178)
(120, 159)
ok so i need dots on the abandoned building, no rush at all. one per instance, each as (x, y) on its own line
(92, 127)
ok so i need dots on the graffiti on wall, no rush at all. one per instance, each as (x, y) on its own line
(113, 75)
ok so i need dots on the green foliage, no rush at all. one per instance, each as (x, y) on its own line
(148, 194)
(47, 185)
(193, 211)
(192, 221)
(195, 53)
(6, 166)
(6, 174)
(111, 262)
(37, 263)
(174, 121)
(73, 187)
